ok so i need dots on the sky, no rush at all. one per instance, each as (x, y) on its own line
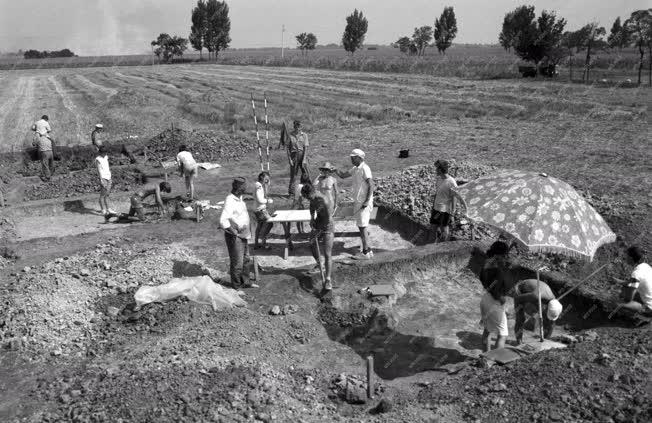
(105, 27)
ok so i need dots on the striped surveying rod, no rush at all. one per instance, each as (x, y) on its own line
(260, 151)
(266, 130)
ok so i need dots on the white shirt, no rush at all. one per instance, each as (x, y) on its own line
(259, 197)
(103, 167)
(42, 127)
(235, 210)
(185, 158)
(642, 274)
(443, 196)
(360, 187)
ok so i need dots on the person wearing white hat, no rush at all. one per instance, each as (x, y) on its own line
(363, 194)
(526, 302)
(96, 140)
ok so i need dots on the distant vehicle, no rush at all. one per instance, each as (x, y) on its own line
(531, 71)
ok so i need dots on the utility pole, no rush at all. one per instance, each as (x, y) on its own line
(282, 40)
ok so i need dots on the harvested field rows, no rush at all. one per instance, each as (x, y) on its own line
(141, 100)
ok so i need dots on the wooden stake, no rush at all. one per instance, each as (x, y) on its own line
(266, 130)
(260, 151)
(370, 372)
(540, 308)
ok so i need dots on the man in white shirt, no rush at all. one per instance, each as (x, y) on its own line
(188, 169)
(43, 142)
(104, 172)
(263, 227)
(637, 291)
(235, 222)
(443, 207)
(363, 195)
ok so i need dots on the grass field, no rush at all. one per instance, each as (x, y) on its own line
(595, 137)
(462, 60)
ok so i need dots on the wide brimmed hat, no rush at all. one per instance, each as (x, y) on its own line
(99, 126)
(327, 166)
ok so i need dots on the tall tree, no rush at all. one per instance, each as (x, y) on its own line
(421, 38)
(354, 32)
(590, 35)
(167, 47)
(218, 26)
(571, 42)
(532, 39)
(406, 45)
(638, 25)
(445, 29)
(618, 36)
(306, 41)
(198, 28)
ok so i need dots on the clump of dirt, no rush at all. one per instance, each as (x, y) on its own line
(7, 229)
(603, 379)
(84, 182)
(213, 146)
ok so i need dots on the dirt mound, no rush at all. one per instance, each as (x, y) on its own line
(64, 305)
(84, 182)
(214, 146)
(599, 380)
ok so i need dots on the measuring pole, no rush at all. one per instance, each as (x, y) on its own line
(260, 151)
(266, 131)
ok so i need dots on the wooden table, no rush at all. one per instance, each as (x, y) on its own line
(287, 217)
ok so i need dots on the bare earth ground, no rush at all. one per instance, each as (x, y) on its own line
(70, 356)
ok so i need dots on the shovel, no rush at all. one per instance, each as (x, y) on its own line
(321, 269)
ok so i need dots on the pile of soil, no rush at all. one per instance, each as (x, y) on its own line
(205, 146)
(60, 307)
(84, 182)
(605, 377)
(416, 201)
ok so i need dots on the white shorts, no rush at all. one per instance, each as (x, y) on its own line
(362, 217)
(493, 314)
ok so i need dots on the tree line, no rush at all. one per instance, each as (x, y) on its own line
(35, 54)
(444, 32)
(542, 39)
(537, 39)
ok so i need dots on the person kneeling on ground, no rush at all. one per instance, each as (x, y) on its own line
(136, 209)
(188, 169)
(526, 302)
(637, 291)
(495, 280)
(235, 222)
(263, 227)
(321, 222)
(443, 209)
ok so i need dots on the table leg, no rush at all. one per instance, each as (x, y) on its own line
(286, 251)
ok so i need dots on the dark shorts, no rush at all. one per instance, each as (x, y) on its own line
(440, 218)
(262, 215)
(105, 186)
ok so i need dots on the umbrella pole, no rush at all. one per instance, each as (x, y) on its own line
(540, 309)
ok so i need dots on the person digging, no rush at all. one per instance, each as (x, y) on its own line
(136, 210)
(526, 303)
(321, 222)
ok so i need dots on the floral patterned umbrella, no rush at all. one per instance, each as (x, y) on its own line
(543, 213)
